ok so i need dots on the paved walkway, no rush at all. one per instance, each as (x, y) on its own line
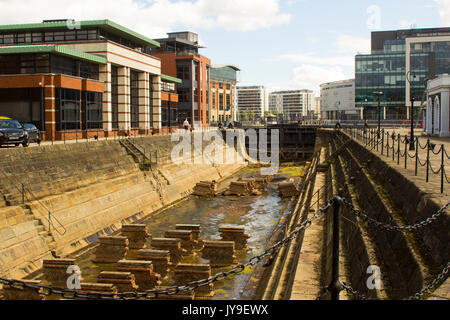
(433, 186)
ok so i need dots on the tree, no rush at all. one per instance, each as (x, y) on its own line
(252, 115)
(244, 116)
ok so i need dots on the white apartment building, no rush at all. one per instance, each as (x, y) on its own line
(252, 99)
(293, 104)
(337, 101)
(317, 108)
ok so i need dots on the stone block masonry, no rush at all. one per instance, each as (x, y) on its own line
(143, 272)
(55, 272)
(159, 258)
(235, 234)
(91, 189)
(219, 253)
(111, 249)
(171, 245)
(187, 242)
(186, 273)
(123, 281)
(137, 235)
(196, 231)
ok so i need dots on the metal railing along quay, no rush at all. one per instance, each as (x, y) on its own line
(396, 148)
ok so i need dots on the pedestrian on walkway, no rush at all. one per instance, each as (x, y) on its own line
(186, 125)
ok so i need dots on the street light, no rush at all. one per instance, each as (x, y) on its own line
(379, 93)
(408, 78)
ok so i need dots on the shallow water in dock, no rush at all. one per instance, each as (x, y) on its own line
(258, 214)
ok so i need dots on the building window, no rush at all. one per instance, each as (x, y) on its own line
(184, 95)
(114, 97)
(69, 109)
(228, 101)
(134, 98)
(165, 113)
(220, 101)
(93, 111)
(183, 72)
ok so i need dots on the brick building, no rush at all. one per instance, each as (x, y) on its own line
(180, 58)
(223, 93)
(80, 79)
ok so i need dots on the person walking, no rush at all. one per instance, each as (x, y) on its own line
(186, 124)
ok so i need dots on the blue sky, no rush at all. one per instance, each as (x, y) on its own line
(284, 44)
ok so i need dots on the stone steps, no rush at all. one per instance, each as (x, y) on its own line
(404, 271)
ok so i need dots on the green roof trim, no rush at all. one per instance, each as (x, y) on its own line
(107, 25)
(55, 49)
(170, 79)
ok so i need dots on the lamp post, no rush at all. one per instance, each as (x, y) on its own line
(408, 78)
(379, 93)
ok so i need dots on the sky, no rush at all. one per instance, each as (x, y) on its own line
(282, 44)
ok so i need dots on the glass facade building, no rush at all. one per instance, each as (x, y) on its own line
(385, 70)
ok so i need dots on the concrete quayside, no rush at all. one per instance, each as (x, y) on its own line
(92, 189)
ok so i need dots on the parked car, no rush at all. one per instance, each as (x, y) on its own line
(12, 133)
(34, 135)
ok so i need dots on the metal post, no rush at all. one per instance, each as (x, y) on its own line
(382, 143)
(379, 118)
(335, 286)
(406, 151)
(387, 144)
(411, 146)
(442, 169)
(417, 156)
(428, 160)
(393, 146)
(398, 149)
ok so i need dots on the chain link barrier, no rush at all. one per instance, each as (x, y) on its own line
(173, 290)
(390, 227)
(417, 296)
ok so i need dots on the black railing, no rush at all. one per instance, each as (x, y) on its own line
(391, 146)
(28, 195)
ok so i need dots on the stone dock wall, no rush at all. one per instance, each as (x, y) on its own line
(90, 190)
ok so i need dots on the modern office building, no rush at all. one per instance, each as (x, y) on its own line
(180, 59)
(293, 105)
(252, 100)
(82, 79)
(437, 113)
(399, 63)
(337, 101)
(317, 114)
(223, 97)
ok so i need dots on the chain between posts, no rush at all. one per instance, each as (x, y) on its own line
(377, 223)
(417, 296)
(153, 293)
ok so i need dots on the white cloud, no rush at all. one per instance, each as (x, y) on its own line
(312, 58)
(153, 18)
(313, 39)
(313, 69)
(444, 11)
(308, 76)
(352, 44)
